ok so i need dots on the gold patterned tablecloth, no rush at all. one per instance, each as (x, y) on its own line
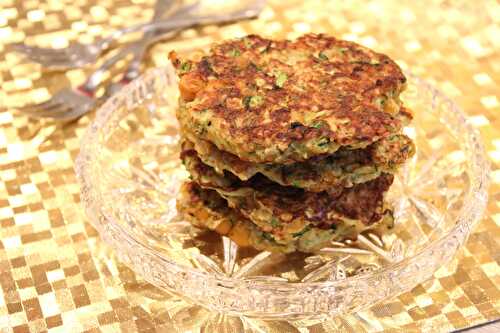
(57, 276)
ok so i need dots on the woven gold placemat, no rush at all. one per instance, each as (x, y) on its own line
(57, 276)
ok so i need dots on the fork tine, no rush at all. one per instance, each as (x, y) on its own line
(61, 61)
(40, 109)
(17, 47)
(53, 54)
(57, 109)
(34, 107)
(46, 56)
(29, 51)
(73, 114)
(56, 65)
(60, 111)
(47, 60)
(57, 56)
(37, 50)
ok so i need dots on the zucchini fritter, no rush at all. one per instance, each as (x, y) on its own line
(285, 211)
(290, 144)
(344, 168)
(280, 101)
(206, 209)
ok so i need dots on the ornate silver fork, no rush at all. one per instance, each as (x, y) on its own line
(78, 55)
(71, 103)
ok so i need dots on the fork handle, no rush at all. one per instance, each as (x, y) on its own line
(89, 87)
(133, 69)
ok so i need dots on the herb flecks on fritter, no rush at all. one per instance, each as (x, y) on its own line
(344, 168)
(204, 208)
(290, 144)
(283, 211)
(283, 101)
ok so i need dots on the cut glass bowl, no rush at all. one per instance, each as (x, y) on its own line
(130, 174)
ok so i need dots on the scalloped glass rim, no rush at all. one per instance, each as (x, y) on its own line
(394, 278)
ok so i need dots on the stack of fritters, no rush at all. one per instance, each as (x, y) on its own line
(290, 144)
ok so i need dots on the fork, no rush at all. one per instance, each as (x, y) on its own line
(78, 55)
(71, 103)
(83, 99)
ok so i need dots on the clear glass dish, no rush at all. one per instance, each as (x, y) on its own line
(130, 173)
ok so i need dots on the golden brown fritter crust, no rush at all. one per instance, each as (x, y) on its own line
(344, 168)
(206, 209)
(285, 101)
(284, 211)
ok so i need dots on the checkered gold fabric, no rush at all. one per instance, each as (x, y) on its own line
(57, 276)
